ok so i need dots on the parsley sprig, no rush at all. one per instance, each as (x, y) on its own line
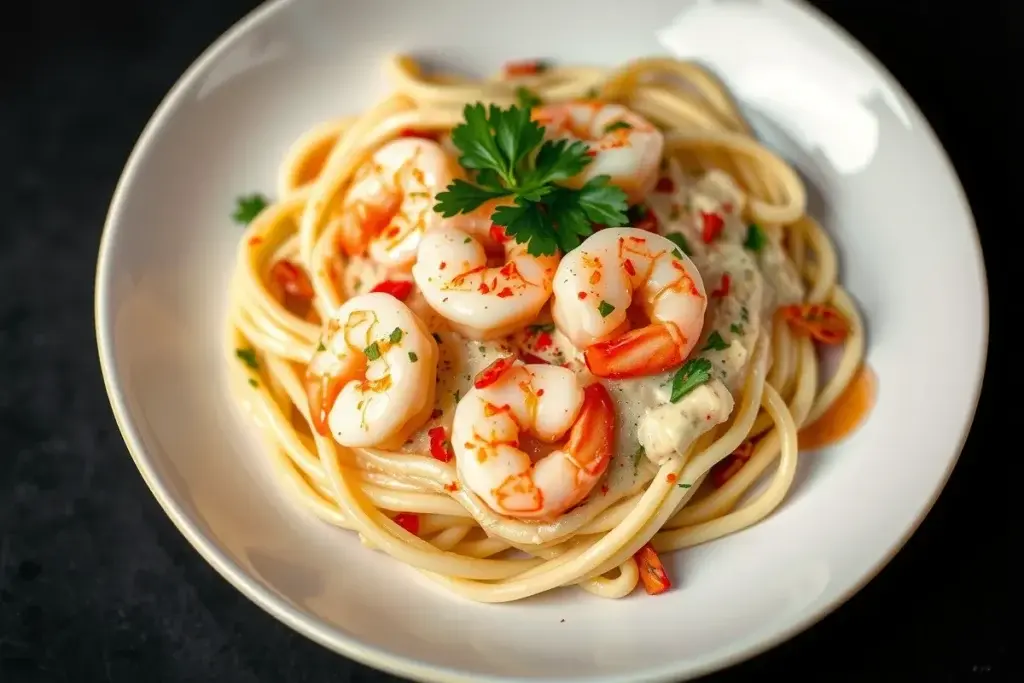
(510, 158)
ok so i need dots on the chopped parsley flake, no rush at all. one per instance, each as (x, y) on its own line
(372, 351)
(320, 346)
(736, 328)
(618, 125)
(715, 342)
(253, 383)
(677, 239)
(247, 207)
(694, 373)
(527, 98)
(755, 238)
(248, 356)
(413, 357)
(605, 308)
(396, 335)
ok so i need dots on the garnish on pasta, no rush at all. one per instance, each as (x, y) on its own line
(510, 158)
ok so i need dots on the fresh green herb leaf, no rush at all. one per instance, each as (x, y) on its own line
(618, 125)
(253, 383)
(695, 372)
(755, 238)
(510, 158)
(527, 98)
(639, 210)
(543, 327)
(736, 328)
(372, 351)
(677, 239)
(745, 314)
(605, 308)
(467, 240)
(247, 207)
(685, 486)
(248, 356)
(396, 335)
(320, 346)
(413, 357)
(715, 342)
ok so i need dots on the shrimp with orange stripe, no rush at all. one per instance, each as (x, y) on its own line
(615, 275)
(510, 401)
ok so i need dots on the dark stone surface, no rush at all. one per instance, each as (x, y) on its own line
(95, 582)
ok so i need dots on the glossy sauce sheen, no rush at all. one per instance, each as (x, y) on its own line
(848, 412)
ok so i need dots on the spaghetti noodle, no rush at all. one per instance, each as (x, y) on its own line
(413, 505)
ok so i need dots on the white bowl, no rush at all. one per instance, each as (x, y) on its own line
(879, 182)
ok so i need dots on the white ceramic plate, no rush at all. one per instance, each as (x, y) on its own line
(879, 182)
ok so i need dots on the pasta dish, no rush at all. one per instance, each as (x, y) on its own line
(536, 330)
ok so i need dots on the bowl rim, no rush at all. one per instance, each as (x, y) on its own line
(379, 658)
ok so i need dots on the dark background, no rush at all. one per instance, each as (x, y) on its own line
(95, 582)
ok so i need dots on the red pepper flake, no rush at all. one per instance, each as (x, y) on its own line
(400, 289)
(505, 293)
(591, 153)
(731, 464)
(413, 133)
(595, 277)
(254, 240)
(723, 289)
(821, 322)
(652, 571)
(628, 265)
(604, 489)
(671, 478)
(452, 487)
(440, 448)
(665, 185)
(527, 67)
(544, 341)
(540, 392)
(292, 279)
(712, 226)
(483, 288)
(443, 265)
(531, 359)
(436, 413)
(392, 232)
(581, 296)
(409, 521)
(493, 372)
(498, 233)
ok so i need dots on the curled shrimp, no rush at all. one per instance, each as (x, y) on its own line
(623, 144)
(371, 380)
(389, 205)
(594, 291)
(482, 302)
(546, 402)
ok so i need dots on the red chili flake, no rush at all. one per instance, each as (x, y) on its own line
(392, 232)
(443, 265)
(400, 289)
(723, 289)
(409, 521)
(581, 296)
(509, 270)
(628, 265)
(254, 240)
(712, 226)
(452, 487)
(483, 288)
(540, 392)
(591, 153)
(293, 280)
(652, 571)
(665, 185)
(505, 293)
(527, 67)
(493, 372)
(595, 277)
(436, 413)
(604, 489)
(440, 449)
(671, 478)
(413, 133)
(544, 341)
(531, 359)
(498, 233)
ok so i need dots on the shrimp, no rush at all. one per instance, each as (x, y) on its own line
(594, 288)
(482, 302)
(390, 204)
(371, 380)
(623, 144)
(547, 402)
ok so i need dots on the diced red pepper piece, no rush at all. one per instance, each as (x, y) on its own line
(440, 447)
(712, 225)
(400, 289)
(409, 521)
(652, 571)
(493, 372)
